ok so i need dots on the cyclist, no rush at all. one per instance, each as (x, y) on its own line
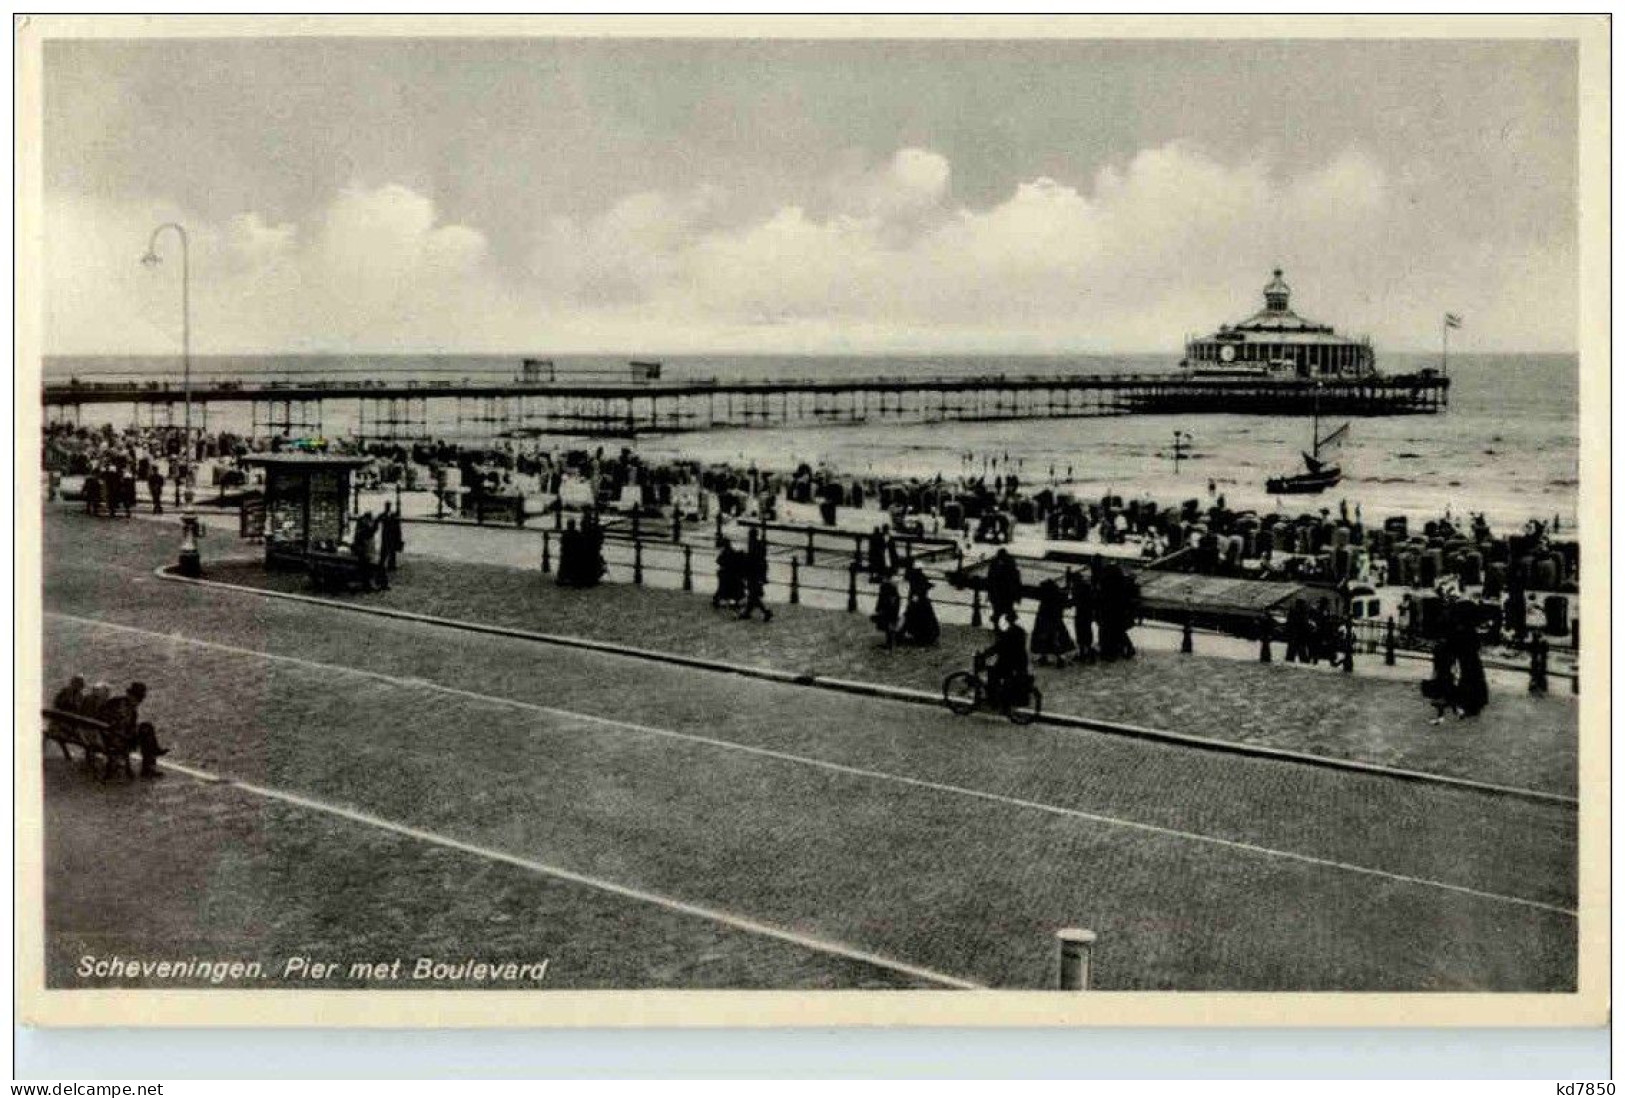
(1005, 661)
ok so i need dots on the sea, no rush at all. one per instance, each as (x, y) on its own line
(1507, 446)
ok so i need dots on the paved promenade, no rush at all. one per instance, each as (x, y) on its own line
(1518, 741)
(405, 786)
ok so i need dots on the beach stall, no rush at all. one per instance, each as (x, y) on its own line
(306, 503)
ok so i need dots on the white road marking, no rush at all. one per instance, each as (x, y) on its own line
(835, 767)
(737, 922)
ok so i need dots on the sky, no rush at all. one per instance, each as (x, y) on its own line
(754, 196)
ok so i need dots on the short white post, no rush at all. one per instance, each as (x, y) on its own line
(1077, 955)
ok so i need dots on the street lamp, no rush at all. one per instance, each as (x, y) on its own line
(151, 259)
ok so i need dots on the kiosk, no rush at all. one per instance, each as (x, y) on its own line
(306, 504)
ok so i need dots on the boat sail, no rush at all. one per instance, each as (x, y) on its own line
(1323, 472)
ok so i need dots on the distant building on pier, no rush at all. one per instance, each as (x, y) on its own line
(1276, 341)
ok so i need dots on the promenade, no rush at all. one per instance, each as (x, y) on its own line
(1376, 716)
(416, 787)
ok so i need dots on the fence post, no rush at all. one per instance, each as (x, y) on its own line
(637, 524)
(852, 590)
(1574, 633)
(1264, 653)
(1574, 680)
(976, 607)
(398, 496)
(1186, 645)
(637, 563)
(719, 520)
(558, 514)
(547, 552)
(676, 526)
(812, 551)
(1388, 650)
(688, 568)
(1077, 949)
(857, 550)
(795, 582)
(1348, 648)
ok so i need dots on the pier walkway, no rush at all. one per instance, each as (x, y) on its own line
(400, 410)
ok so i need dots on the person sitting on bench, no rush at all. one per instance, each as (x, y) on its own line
(71, 698)
(121, 717)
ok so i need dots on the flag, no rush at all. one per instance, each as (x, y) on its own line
(1451, 320)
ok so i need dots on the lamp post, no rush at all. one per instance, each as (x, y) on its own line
(151, 259)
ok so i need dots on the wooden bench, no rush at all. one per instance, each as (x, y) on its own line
(340, 571)
(91, 736)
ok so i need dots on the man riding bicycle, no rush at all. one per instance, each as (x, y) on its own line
(1004, 662)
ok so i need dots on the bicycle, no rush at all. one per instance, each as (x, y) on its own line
(963, 692)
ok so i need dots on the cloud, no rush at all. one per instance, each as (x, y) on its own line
(1170, 240)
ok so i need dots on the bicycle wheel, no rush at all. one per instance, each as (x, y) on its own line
(961, 693)
(1028, 711)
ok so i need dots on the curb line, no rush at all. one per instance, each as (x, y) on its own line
(908, 695)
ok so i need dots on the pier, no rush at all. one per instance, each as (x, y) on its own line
(399, 410)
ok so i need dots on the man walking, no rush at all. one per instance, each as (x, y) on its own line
(390, 540)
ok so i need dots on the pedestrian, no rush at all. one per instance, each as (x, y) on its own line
(1003, 585)
(569, 555)
(155, 489)
(730, 578)
(364, 547)
(390, 541)
(1083, 615)
(888, 608)
(1051, 641)
(755, 565)
(1297, 632)
(920, 625)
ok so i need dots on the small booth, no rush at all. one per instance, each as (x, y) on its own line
(305, 505)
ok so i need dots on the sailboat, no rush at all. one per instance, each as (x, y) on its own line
(1320, 474)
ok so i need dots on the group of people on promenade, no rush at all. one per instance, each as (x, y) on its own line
(1458, 684)
(376, 543)
(1314, 633)
(581, 552)
(121, 714)
(1104, 599)
(742, 576)
(906, 619)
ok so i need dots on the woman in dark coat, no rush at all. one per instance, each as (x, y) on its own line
(920, 625)
(1050, 638)
(1472, 691)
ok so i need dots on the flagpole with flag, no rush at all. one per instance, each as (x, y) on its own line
(1451, 320)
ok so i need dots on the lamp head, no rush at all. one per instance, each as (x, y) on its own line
(151, 259)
